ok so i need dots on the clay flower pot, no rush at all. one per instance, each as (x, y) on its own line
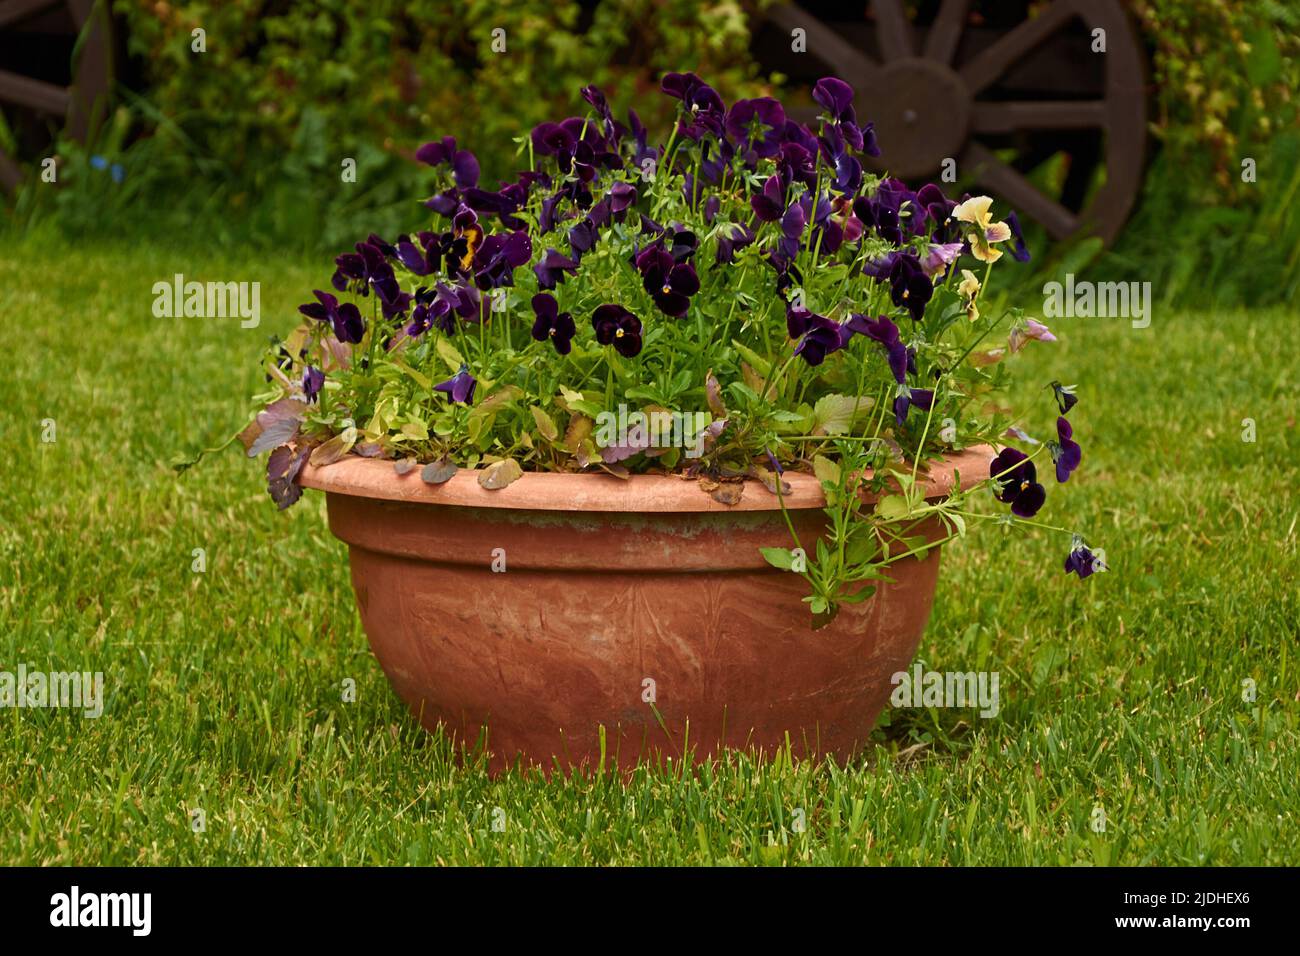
(569, 619)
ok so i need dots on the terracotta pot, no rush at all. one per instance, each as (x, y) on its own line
(637, 611)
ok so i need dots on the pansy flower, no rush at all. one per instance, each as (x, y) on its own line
(618, 327)
(756, 126)
(313, 380)
(731, 239)
(836, 97)
(706, 112)
(939, 257)
(463, 164)
(670, 282)
(922, 398)
(460, 386)
(499, 256)
(1017, 482)
(1019, 252)
(821, 337)
(550, 269)
(552, 324)
(344, 318)
(1065, 397)
(1065, 450)
(769, 203)
(975, 211)
(909, 287)
(885, 332)
(1082, 561)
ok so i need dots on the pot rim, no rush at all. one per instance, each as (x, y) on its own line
(600, 492)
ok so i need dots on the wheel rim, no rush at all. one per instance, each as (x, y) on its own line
(936, 91)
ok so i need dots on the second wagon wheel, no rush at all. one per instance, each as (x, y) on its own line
(1013, 90)
(55, 73)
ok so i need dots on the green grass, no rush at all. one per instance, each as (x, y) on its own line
(1123, 692)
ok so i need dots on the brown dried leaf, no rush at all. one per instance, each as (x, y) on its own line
(499, 474)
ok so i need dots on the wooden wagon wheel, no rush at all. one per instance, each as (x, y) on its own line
(1001, 88)
(41, 87)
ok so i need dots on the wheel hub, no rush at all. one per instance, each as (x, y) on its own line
(922, 114)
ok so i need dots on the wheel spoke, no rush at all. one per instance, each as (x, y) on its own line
(945, 34)
(998, 177)
(12, 11)
(893, 29)
(1061, 114)
(827, 45)
(1015, 46)
(37, 94)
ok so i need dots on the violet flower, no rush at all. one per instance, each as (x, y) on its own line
(1017, 482)
(345, 319)
(1065, 451)
(460, 386)
(552, 324)
(618, 327)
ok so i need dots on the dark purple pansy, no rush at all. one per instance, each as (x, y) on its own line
(550, 269)
(885, 332)
(460, 386)
(793, 224)
(1017, 482)
(621, 196)
(552, 324)
(463, 163)
(702, 103)
(670, 283)
(909, 287)
(756, 125)
(1083, 562)
(837, 98)
(1019, 252)
(1065, 397)
(1065, 452)
(769, 203)
(821, 337)
(499, 256)
(618, 327)
(345, 319)
(922, 398)
(313, 380)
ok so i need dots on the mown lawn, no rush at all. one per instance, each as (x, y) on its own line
(1123, 692)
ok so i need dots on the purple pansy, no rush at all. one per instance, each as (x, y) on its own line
(704, 107)
(460, 386)
(1065, 451)
(344, 318)
(670, 282)
(618, 327)
(1017, 482)
(1083, 562)
(922, 398)
(550, 269)
(464, 165)
(313, 380)
(552, 324)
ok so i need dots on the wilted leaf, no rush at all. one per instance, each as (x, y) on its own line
(335, 448)
(713, 396)
(282, 469)
(499, 474)
(279, 432)
(769, 479)
(728, 493)
(405, 466)
(546, 426)
(618, 471)
(437, 472)
(580, 428)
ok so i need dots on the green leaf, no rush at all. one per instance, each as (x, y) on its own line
(448, 354)
(836, 414)
(827, 471)
(893, 508)
(760, 364)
